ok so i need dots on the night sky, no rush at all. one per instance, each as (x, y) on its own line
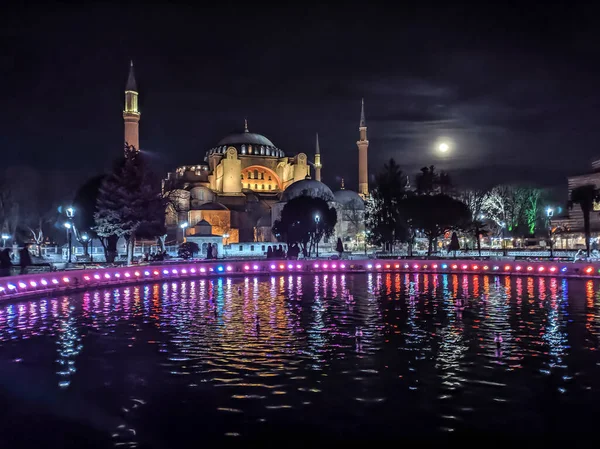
(514, 89)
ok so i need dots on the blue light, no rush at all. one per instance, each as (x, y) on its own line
(220, 268)
(563, 269)
(165, 271)
(444, 266)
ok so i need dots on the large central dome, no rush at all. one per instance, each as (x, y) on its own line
(247, 138)
(247, 143)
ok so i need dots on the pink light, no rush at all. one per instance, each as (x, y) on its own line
(541, 269)
(324, 265)
(290, 267)
(33, 283)
(464, 267)
(530, 268)
(156, 273)
(55, 281)
(87, 278)
(137, 273)
(66, 280)
(518, 267)
(246, 267)
(193, 270)
(127, 274)
(316, 265)
(435, 266)
(117, 275)
(507, 268)
(406, 266)
(333, 265)
(273, 266)
(229, 268)
(281, 266)
(589, 270)
(369, 266)
(343, 266)
(378, 266)
(211, 269)
(106, 276)
(255, 267)
(174, 271)
(202, 270)
(96, 276)
(552, 269)
(45, 282)
(22, 284)
(184, 271)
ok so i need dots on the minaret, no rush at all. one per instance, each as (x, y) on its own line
(131, 113)
(318, 161)
(363, 146)
(246, 125)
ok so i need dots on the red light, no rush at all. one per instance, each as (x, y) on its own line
(507, 268)
(541, 269)
(388, 266)
(454, 267)
(553, 269)
(246, 267)
(475, 267)
(397, 265)
(518, 268)
(435, 266)
(281, 266)
(589, 270)
(464, 267)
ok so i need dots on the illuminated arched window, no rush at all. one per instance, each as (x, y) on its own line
(243, 149)
(256, 174)
(255, 186)
(242, 175)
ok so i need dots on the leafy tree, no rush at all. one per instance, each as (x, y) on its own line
(383, 215)
(187, 250)
(130, 202)
(429, 182)
(297, 223)
(436, 214)
(454, 244)
(585, 196)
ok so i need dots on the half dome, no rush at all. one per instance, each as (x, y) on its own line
(349, 199)
(308, 187)
(212, 205)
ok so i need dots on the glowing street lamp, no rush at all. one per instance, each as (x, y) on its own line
(70, 212)
(5, 237)
(317, 220)
(183, 225)
(69, 226)
(226, 236)
(549, 214)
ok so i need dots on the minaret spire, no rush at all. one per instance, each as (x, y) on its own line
(246, 125)
(131, 113)
(363, 146)
(318, 160)
(342, 184)
(363, 123)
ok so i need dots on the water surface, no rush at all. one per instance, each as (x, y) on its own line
(379, 356)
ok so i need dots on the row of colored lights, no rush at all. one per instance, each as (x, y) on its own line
(65, 281)
(476, 267)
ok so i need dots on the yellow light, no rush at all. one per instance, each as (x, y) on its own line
(443, 147)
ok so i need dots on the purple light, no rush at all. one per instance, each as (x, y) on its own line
(96, 276)
(1, 288)
(146, 273)
(343, 266)
(325, 265)
(415, 266)
(66, 280)
(11, 287)
(55, 281)
(378, 266)
(127, 274)
(33, 284)
(193, 270)
(273, 266)
(299, 266)
(22, 284)
(45, 282)
(117, 275)
(405, 265)
(316, 265)
(369, 266)
(202, 270)
(106, 276)
(174, 271)
(229, 268)
(333, 265)
(563, 269)
(184, 271)
(164, 272)
(290, 267)
(255, 267)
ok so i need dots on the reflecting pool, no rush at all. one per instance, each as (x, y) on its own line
(378, 356)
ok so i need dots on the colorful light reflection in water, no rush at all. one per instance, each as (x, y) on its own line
(358, 355)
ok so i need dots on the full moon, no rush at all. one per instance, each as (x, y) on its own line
(443, 147)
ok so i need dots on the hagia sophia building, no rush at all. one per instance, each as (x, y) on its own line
(238, 191)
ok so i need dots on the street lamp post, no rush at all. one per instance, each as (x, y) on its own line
(68, 225)
(226, 237)
(502, 227)
(317, 220)
(183, 225)
(5, 237)
(549, 214)
(70, 212)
